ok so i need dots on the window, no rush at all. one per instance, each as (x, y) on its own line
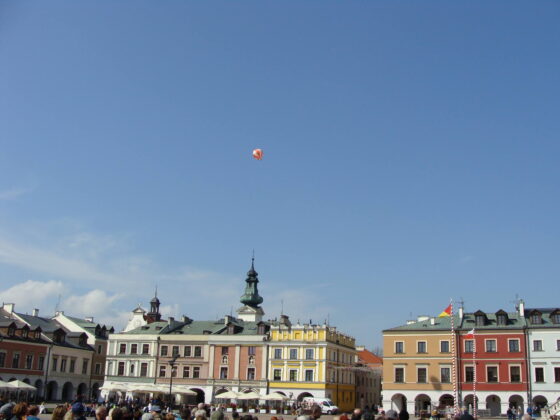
(421, 346)
(72, 365)
(120, 370)
(197, 351)
(164, 350)
(131, 373)
(491, 374)
(422, 375)
(251, 360)
(145, 348)
(513, 345)
(278, 353)
(223, 372)
(558, 345)
(251, 350)
(293, 375)
(63, 365)
(143, 369)
(469, 374)
(536, 318)
(84, 366)
(445, 373)
(251, 374)
(11, 331)
(175, 351)
(480, 320)
(174, 371)
(293, 354)
(399, 347)
(186, 371)
(196, 372)
(515, 374)
(2, 359)
(469, 346)
(162, 371)
(29, 361)
(308, 375)
(557, 374)
(501, 319)
(309, 354)
(24, 333)
(537, 345)
(98, 368)
(54, 363)
(41, 363)
(133, 348)
(399, 375)
(99, 349)
(122, 348)
(187, 351)
(277, 374)
(225, 350)
(555, 317)
(444, 346)
(225, 359)
(539, 374)
(490, 346)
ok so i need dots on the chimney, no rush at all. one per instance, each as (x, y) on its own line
(9, 307)
(422, 318)
(521, 307)
(432, 321)
(89, 319)
(57, 313)
(171, 320)
(35, 312)
(461, 312)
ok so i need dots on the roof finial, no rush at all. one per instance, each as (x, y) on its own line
(156, 291)
(253, 259)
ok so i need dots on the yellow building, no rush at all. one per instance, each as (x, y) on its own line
(417, 365)
(307, 360)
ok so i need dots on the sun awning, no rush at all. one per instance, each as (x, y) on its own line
(249, 396)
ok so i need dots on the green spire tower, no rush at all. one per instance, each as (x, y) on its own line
(251, 296)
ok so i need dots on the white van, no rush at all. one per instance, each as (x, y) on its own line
(327, 406)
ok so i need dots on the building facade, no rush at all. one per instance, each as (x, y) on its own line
(369, 374)
(308, 360)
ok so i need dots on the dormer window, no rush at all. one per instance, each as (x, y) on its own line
(11, 331)
(24, 332)
(536, 318)
(555, 316)
(231, 329)
(83, 341)
(37, 335)
(261, 329)
(501, 318)
(480, 320)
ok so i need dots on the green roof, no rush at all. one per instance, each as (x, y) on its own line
(197, 328)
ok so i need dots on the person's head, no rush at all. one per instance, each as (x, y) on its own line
(316, 411)
(32, 410)
(20, 410)
(78, 409)
(116, 414)
(148, 416)
(101, 413)
(169, 416)
(201, 406)
(391, 415)
(6, 410)
(200, 417)
(526, 417)
(357, 413)
(58, 412)
(235, 415)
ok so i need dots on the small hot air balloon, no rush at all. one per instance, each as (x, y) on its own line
(258, 154)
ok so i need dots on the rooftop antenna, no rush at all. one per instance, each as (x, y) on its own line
(57, 307)
(328, 319)
(281, 306)
(462, 303)
(516, 301)
(231, 312)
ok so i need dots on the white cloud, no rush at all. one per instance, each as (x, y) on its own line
(32, 294)
(13, 193)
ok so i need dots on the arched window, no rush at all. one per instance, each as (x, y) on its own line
(251, 360)
(225, 359)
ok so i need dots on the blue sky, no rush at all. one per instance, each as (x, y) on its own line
(410, 156)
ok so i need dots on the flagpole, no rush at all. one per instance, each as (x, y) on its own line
(454, 364)
(475, 403)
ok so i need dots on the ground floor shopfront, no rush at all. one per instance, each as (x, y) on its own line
(491, 403)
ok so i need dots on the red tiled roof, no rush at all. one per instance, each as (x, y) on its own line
(369, 358)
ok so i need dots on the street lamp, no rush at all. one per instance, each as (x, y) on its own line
(172, 364)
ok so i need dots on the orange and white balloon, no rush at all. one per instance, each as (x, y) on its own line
(258, 154)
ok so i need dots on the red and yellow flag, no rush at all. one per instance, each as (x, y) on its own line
(446, 311)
